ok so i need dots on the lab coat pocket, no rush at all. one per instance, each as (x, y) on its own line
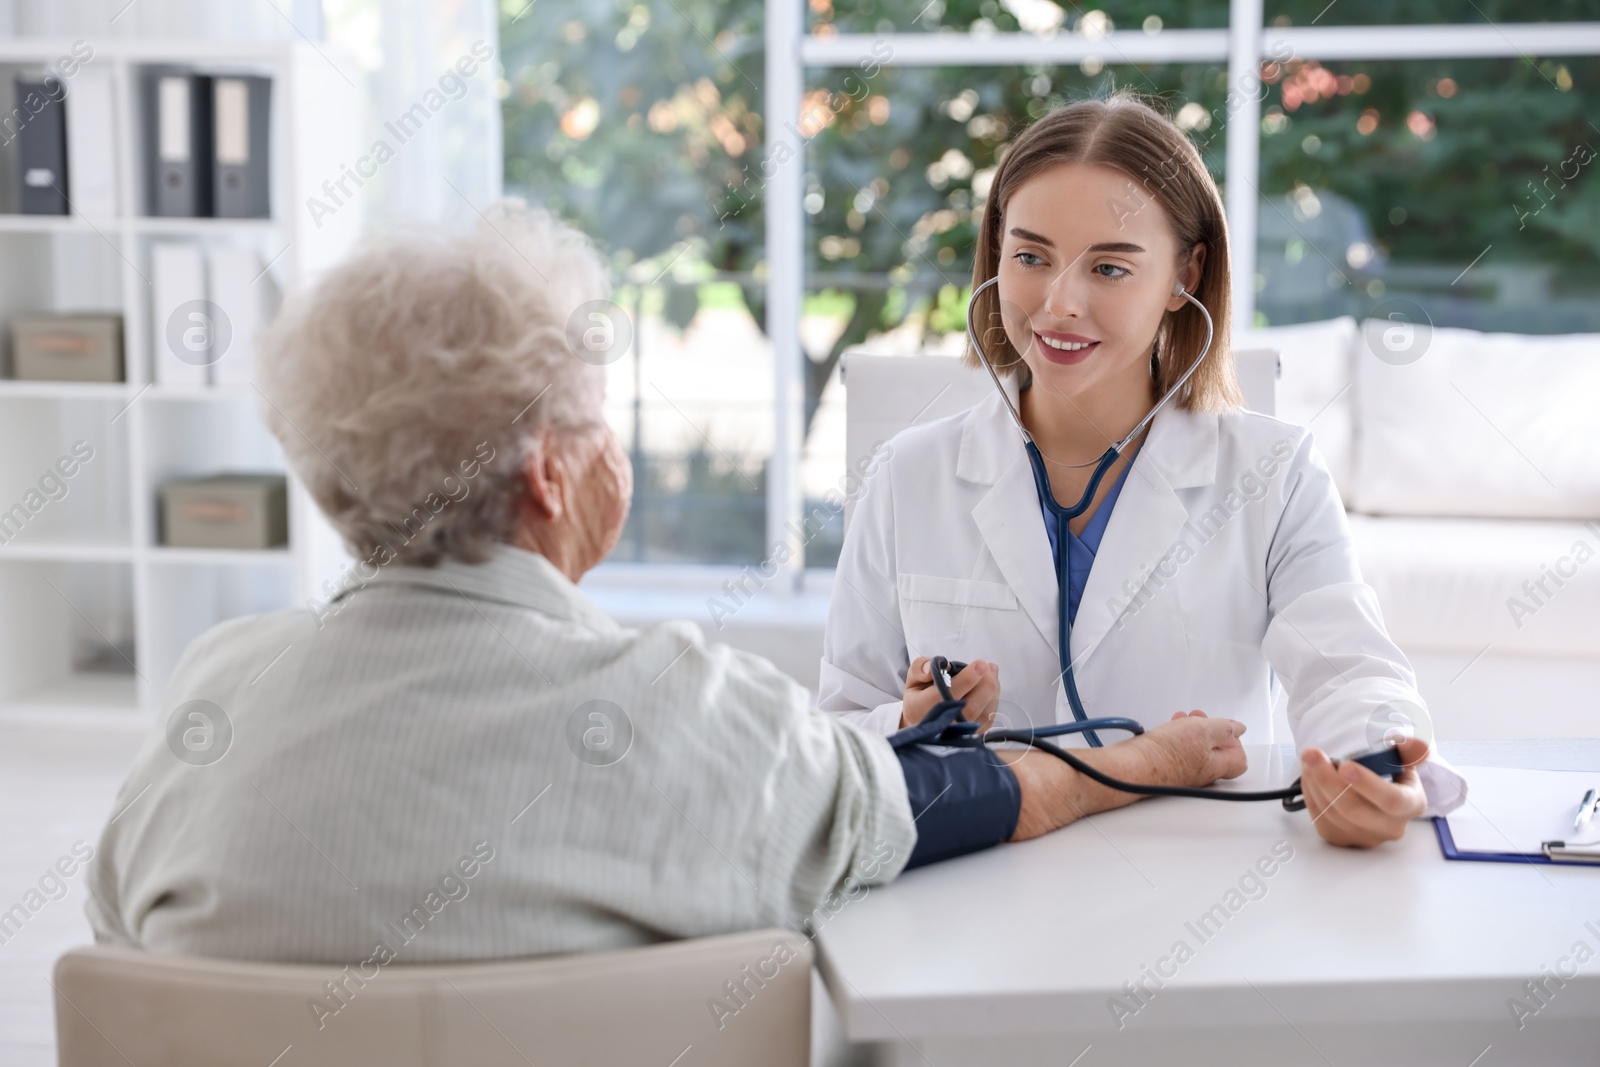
(953, 616)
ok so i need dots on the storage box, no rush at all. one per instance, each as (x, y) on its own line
(226, 511)
(67, 348)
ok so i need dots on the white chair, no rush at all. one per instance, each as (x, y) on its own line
(886, 394)
(655, 1007)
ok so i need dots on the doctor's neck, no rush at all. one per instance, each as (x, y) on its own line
(1078, 426)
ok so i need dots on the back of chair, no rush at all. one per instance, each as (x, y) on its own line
(734, 1000)
(887, 394)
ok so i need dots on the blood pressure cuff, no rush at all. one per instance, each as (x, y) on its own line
(963, 801)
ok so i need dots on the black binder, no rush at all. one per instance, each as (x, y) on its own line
(241, 107)
(177, 143)
(41, 146)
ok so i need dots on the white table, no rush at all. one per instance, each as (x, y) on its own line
(1387, 956)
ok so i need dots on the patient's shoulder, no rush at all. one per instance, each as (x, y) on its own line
(245, 635)
(241, 647)
(678, 660)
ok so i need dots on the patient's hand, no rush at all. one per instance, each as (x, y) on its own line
(1195, 750)
(978, 684)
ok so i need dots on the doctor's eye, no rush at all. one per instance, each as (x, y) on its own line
(1027, 260)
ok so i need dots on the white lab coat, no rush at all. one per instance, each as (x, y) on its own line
(1225, 572)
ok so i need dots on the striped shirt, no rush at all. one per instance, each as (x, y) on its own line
(473, 761)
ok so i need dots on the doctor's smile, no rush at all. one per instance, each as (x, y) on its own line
(1064, 348)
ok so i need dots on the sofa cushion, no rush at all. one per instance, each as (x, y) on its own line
(1313, 385)
(1485, 425)
(1458, 585)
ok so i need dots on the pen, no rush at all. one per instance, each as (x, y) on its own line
(1585, 810)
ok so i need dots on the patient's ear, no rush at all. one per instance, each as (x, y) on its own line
(544, 478)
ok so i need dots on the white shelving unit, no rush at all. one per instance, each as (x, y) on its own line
(94, 612)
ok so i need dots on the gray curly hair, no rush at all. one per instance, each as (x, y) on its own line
(422, 366)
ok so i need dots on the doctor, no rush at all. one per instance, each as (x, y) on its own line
(1213, 564)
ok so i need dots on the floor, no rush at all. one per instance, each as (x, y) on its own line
(57, 784)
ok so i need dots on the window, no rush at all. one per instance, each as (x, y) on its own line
(1363, 165)
(1004, 16)
(633, 124)
(749, 275)
(1422, 12)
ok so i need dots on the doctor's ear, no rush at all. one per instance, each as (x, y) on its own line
(1188, 278)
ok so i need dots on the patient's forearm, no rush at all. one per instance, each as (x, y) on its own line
(1055, 794)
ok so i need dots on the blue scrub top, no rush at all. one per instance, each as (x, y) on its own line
(1081, 548)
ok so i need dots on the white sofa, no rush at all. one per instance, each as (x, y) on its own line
(1469, 464)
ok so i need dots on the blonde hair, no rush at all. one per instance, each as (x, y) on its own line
(1121, 131)
(402, 385)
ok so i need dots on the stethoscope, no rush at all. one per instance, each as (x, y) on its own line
(944, 725)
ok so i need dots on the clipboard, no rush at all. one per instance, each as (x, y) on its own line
(1523, 810)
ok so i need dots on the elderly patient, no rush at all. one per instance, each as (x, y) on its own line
(452, 754)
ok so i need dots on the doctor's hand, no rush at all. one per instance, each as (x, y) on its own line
(978, 684)
(1197, 749)
(1352, 806)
